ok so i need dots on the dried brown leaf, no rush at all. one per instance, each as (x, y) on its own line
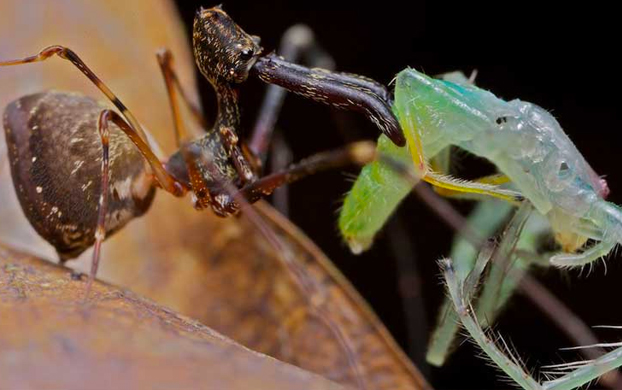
(51, 339)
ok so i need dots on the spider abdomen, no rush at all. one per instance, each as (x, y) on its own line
(55, 153)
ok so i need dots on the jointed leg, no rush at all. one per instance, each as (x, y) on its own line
(461, 290)
(175, 90)
(581, 374)
(486, 220)
(592, 253)
(242, 165)
(68, 54)
(132, 127)
(281, 157)
(165, 180)
(478, 189)
(446, 185)
(503, 358)
(359, 153)
(439, 163)
(500, 283)
(491, 180)
(100, 230)
(452, 187)
(202, 197)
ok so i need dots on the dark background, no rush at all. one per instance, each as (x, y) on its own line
(564, 58)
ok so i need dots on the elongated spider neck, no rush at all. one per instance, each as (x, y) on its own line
(228, 111)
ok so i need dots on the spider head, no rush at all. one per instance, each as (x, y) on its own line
(223, 51)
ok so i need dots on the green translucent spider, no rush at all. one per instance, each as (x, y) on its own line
(524, 142)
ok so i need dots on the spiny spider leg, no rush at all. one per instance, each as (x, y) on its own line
(461, 291)
(494, 352)
(581, 374)
(590, 254)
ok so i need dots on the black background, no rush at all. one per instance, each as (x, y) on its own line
(562, 57)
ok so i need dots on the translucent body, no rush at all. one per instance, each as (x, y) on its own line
(523, 140)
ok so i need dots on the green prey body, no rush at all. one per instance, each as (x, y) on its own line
(521, 139)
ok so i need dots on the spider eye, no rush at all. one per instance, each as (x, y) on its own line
(246, 54)
(564, 170)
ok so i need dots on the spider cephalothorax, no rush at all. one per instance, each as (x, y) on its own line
(223, 51)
